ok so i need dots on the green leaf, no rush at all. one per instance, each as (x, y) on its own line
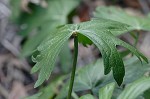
(146, 94)
(49, 51)
(99, 32)
(49, 91)
(107, 91)
(135, 89)
(134, 70)
(117, 14)
(48, 19)
(132, 91)
(33, 41)
(16, 9)
(56, 11)
(63, 92)
(84, 40)
(88, 96)
(65, 59)
(149, 15)
(88, 76)
(35, 96)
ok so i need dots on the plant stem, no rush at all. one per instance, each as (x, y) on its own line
(135, 35)
(137, 38)
(74, 66)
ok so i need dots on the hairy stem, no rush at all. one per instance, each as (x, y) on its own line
(74, 66)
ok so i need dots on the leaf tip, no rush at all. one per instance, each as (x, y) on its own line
(37, 84)
(119, 81)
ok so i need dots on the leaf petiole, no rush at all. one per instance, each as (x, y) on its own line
(74, 65)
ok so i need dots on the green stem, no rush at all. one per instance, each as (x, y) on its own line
(74, 66)
(137, 38)
(135, 35)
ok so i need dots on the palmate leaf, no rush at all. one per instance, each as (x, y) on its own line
(92, 77)
(87, 77)
(106, 43)
(49, 51)
(117, 14)
(132, 65)
(135, 89)
(99, 32)
(132, 91)
(134, 70)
